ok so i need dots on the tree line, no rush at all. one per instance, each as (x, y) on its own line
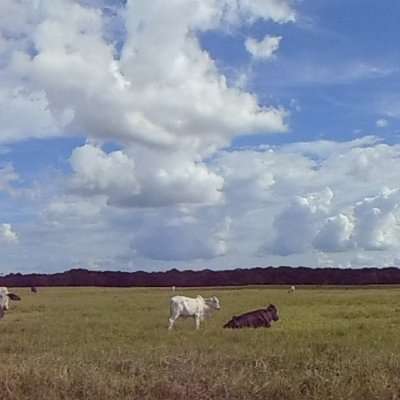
(282, 275)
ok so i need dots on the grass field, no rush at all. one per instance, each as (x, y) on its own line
(109, 343)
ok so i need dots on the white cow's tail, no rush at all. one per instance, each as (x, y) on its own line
(171, 302)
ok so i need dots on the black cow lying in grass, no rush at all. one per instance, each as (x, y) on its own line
(254, 319)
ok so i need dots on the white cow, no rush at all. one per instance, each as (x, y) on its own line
(291, 289)
(5, 295)
(198, 308)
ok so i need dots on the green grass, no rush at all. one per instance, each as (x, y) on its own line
(109, 343)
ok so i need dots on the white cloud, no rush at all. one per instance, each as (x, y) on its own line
(14, 26)
(382, 123)
(377, 221)
(99, 173)
(134, 74)
(309, 197)
(265, 48)
(25, 114)
(157, 91)
(137, 77)
(311, 204)
(184, 238)
(296, 225)
(276, 10)
(361, 260)
(7, 235)
(8, 175)
(68, 212)
(324, 261)
(168, 179)
(335, 234)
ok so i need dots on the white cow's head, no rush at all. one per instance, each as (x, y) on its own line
(213, 302)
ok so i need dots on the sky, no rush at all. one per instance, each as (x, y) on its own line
(191, 134)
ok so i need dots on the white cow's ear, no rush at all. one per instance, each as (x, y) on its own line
(13, 296)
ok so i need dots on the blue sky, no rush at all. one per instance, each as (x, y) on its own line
(212, 134)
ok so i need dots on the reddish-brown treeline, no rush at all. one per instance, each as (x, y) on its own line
(206, 277)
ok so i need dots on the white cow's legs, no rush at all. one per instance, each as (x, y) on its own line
(197, 319)
(171, 320)
(171, 323)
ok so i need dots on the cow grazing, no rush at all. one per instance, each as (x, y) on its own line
(291, 289)
(198, 308)
(4, 297)
(33, 289)
(254, 319)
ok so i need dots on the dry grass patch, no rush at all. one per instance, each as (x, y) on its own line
(100, 343)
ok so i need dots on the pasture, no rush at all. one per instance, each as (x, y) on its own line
(113, 343)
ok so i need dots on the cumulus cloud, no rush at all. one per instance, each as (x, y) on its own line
(161, 181)
(135, 74)
(377, 221)
(7, 235)
(314, 197)
(25, 114)
(99, 173)
(149, 86)
(296, 224)
(319, 204)
(320, 222)
(156, 179)
(334, 234)
(181, 242)
(265, 48)
(153, 90)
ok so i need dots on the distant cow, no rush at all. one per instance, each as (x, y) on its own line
(198, 308)
(291, 289)
(173, 289)
(254, 319)
(5, 295)
(33, 289)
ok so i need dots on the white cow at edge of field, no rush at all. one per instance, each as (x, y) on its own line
(5, 295)
(291, 289)
(198, 308)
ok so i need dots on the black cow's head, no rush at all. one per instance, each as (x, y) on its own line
(273, 311)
